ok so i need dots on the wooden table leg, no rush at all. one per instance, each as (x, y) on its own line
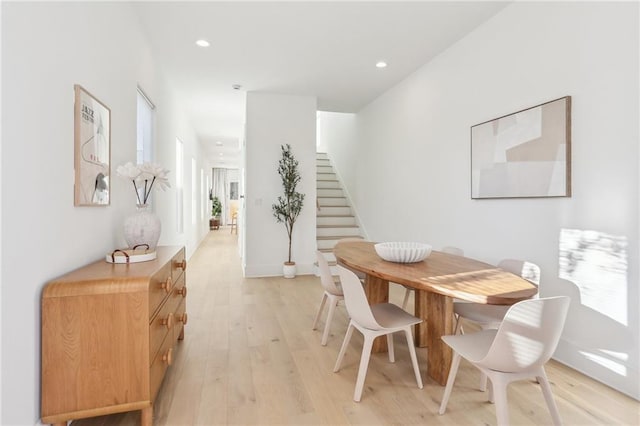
(440, 322)
(377, 291)
(420, 330)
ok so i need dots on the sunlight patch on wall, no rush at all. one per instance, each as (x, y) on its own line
(597, 263)
(607, 363)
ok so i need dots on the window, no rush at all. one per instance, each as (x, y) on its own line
(144, 139)
(203, 203)
(233, 190)
(179, 186)
(194, 192)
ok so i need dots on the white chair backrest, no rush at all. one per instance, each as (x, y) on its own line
(355, 300)
(453, 250)
(326, 279)
(527, 270)
(528, 335)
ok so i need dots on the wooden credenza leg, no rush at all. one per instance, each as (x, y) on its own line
(59, 424)
(377, 291)
(146, 416)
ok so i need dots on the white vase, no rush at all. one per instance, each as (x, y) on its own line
(289, 269)
(142, 227)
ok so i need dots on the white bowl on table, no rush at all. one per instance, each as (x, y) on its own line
(403, 252)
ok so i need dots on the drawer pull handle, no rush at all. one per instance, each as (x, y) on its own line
(182, 264)
(183, 291)
(168, 321)
(167, 285)
(168, 357)
(183, 318)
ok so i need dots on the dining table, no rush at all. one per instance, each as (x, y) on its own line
(437, 280)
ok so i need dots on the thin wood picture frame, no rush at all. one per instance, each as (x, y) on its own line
(524, 154)
(92, 153)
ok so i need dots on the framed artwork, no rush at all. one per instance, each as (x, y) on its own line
(233, 190)
(524, 154)
(92, 131)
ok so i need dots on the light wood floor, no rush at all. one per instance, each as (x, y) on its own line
(250, 357)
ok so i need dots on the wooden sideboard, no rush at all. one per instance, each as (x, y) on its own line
(108, 333)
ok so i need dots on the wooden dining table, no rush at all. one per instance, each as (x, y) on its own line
(438, 279)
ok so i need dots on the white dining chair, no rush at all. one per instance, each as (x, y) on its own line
(408, 290)
(361, 275)
(373, 321)
(490, 316)
(517, 350)
(332, 293)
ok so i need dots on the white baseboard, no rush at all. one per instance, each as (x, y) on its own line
(624, 380)
(259, 271)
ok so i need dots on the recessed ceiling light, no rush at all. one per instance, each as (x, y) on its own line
(218, 143)
(220, 154)
(381, 64)
(202, 43)
(237, 86)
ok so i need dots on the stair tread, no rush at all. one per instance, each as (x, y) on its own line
(329, 196)
(336, 226)
(337, 237)
(334, 215)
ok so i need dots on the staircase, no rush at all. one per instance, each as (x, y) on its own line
(334, 219)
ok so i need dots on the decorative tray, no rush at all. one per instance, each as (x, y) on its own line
(139, 253)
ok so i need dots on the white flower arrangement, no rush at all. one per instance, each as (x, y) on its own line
(145, 177)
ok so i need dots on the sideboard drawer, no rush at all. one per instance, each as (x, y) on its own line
(161, 325)
(160, 287)
(165, 321)
(181, 320)
(162, 361)
(178, 265)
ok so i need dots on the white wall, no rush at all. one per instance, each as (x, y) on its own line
(273, 120)
(46, 49)
(408, 170)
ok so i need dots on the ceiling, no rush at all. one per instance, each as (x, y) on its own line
(324, 49)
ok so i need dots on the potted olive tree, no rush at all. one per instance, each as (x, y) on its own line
(216, 209)
(289, 205)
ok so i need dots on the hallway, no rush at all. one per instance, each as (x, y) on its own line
(250, 357)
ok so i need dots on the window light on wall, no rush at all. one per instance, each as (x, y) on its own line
(179, 186)
(194, 192)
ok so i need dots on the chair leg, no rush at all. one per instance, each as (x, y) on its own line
(391, 350)
(333, 302)
(455, 363)
(405, 302)
(548, 397)
(490, 397)
(483, 382)
(364, 364)
(315, 322)
(458, 325)
(499, 386)
(414, 357)
(343, 349)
